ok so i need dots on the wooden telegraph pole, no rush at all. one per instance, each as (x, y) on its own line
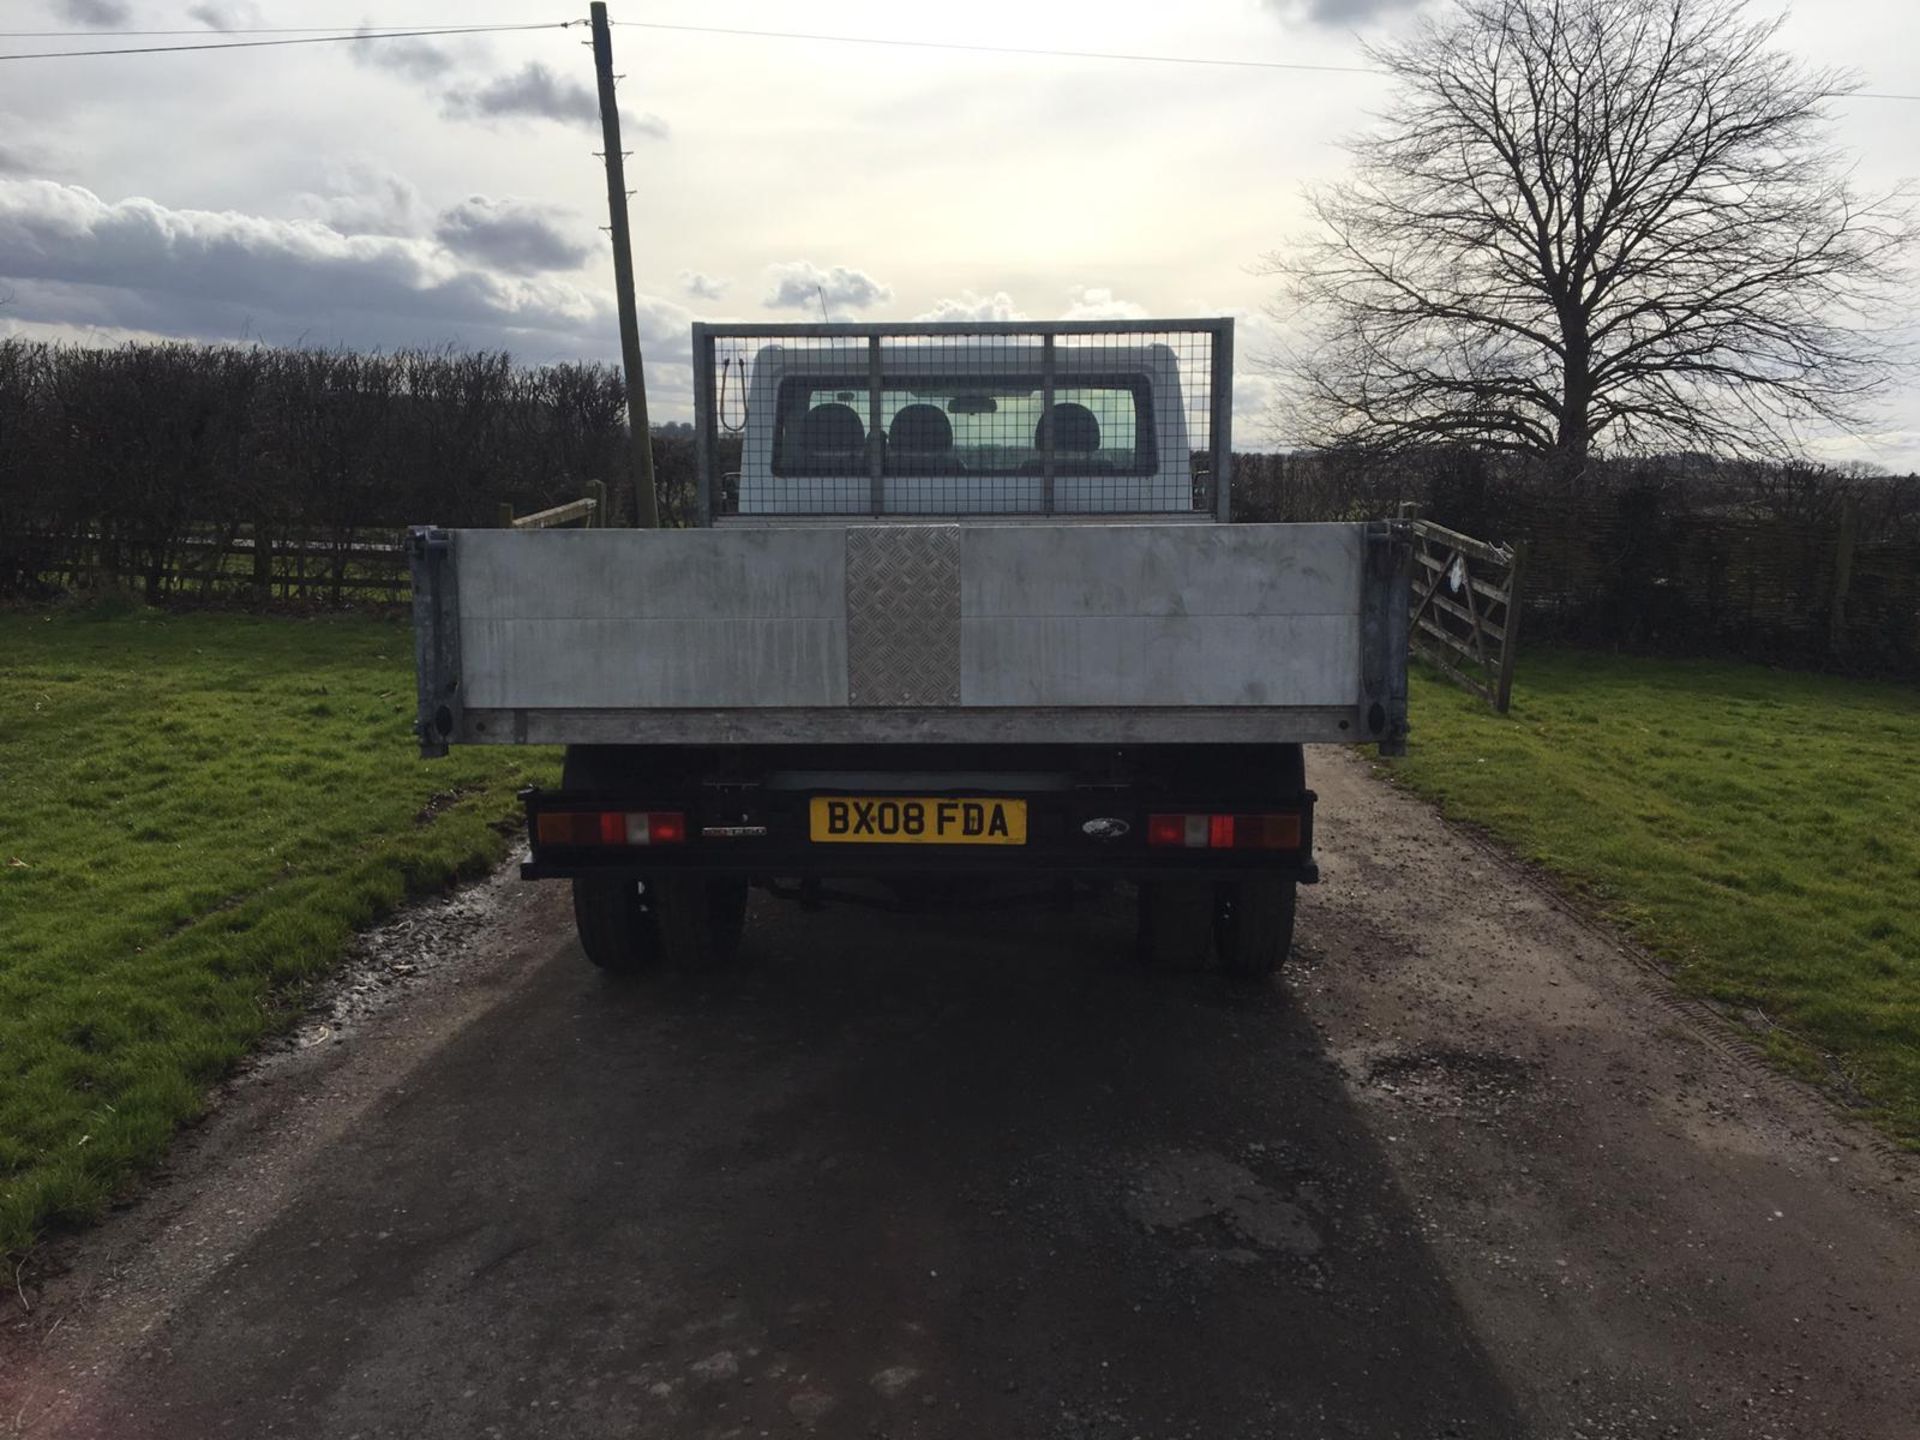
(646, 506)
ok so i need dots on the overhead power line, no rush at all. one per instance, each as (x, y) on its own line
(97, 33)
(1006, 49)
(1129, 56)
(350, 36)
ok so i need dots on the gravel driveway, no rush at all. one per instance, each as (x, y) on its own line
(1468, 1172)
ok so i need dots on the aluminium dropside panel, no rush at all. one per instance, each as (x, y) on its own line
(956, 631)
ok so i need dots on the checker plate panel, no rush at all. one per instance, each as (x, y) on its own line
(903, 615)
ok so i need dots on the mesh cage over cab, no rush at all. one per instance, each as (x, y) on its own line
(1104, 418)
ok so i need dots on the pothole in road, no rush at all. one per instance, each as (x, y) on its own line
(1207, 1197)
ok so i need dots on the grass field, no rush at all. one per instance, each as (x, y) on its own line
(195, 813)
(199, 809)
(1755, 829)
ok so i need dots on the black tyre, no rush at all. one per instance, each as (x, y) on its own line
(701, 919)
(616, 920)
(1177, 923)
(618, 928)
(1254, 926)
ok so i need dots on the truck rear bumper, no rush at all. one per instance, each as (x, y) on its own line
(1071, 832)
(1306, 871)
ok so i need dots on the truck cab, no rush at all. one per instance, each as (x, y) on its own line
(968, 433)
(963, 618)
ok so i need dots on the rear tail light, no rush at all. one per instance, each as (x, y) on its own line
(1225, 832)
(662, 827)
(573, 829)
(1170, 829)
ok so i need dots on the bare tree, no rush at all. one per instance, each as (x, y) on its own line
(1582, 223)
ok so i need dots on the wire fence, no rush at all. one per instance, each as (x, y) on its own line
(1107, 418)
(186, 469)
(1801, 564)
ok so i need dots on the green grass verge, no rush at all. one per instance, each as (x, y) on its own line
(1753, 828)
(196, 811)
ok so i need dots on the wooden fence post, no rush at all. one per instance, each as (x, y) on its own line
(1842, 575)
(1510, 630)
(597, 492)
(262, 562)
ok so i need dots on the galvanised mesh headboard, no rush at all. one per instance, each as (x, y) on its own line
(1114, 417)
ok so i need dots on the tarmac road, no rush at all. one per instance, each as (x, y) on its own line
(1468, 1172)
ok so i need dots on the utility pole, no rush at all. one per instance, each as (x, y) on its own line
(646, 506)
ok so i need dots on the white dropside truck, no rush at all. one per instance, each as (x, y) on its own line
(961, 614)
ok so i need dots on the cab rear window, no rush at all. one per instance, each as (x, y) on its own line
(1100, 426)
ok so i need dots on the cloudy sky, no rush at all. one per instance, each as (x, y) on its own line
(445, 191)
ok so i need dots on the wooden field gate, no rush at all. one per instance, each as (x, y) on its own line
(1466, 609)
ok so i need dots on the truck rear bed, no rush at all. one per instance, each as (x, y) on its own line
(962, 632)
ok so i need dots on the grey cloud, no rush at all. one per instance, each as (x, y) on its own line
(364, 199)
(702, 287)
(512, 235)
(531, 90)
(538, 91)
(643, 122)
(413, 56)
(799, 284)
(224, 14)
(99, 14)
(14, 161)
(969, 306)
(1340, 12)
(534, 90)
(77, 260)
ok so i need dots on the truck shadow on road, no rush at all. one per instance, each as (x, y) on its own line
(951, 1176)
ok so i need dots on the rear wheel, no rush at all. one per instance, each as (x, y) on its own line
(701, 919)
(1254, 926)
(1177, 922)
(617, 920)
(618, 927)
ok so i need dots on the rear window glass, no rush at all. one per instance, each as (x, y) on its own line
(1102, 426)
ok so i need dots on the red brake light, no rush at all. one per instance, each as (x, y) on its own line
(1166, 830)
(1280, 831)
(574, 829)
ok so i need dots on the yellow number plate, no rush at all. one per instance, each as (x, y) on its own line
(913, 820)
